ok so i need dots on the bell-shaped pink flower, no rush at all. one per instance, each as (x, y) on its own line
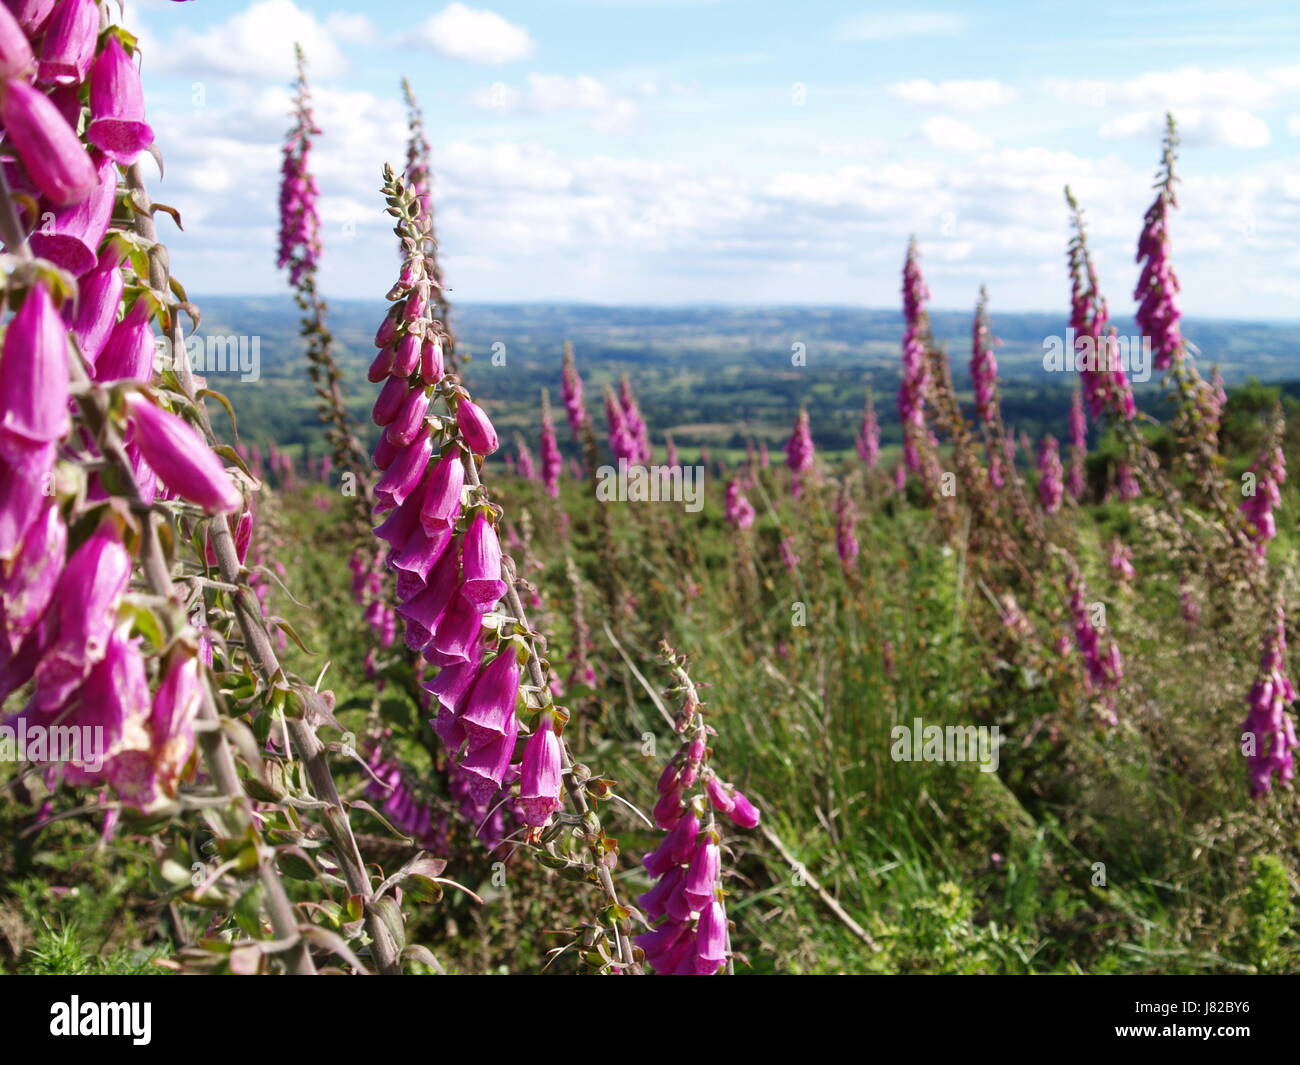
(28, 587)
(71, 237)
(23, 484)
(181, 457)
(98, 298)
(114, 698)
(486, 766)
(451, 686)
(69, 43)
(406, 471)
(711, 939)
(390, 400)
(406, 356)
(441, 504)
(421, 552)
(410, 417)
(702, 876)
(128, 352)
(475, 428)
(82, 615)
(483, 586)
(718, 794)
(743, 812)
(428, 605)
(31, 14)
(490, 705)
(33, 377)
(431, 362)
(117, 124)
(16, 57)
(458, 632)
(141, 775)
(49, 149)
(541, 777)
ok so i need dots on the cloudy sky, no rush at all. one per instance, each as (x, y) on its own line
(688, 151)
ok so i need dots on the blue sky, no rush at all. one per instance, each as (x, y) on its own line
(674, 151)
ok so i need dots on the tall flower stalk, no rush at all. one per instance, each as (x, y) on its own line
(457, 590)
(1268, 734)
(419, 175)
(691, 935)
(915, 385)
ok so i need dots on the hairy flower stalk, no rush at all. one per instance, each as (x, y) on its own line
(1051, 489)
(1078, 443)
(800, 455)
(1105, 383)
(1158, 315)
(1103, 665)
(1269, 473)
(868, 438)
(915, 385)
(633, 422)
(1268, 734)
(623, 441)
(690, 935)
(419, 175)
(1121, 562)
(552, 460)
(739, 510)
(456, 588)
(846, 540)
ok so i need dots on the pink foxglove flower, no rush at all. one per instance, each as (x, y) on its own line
(552, 460)
(1158, 314)
(800, 453)
(69, 42)
(127, 354)
(181, 458)
(868, 438)
(475, 428)
(1269, 731)
(16, 57)
(48, 147)
(82, 615)
(71, 236)
(482, 584)
(739, 511)
(1103, 665)
(541, 774)
(572, 382)
(846, 541)
(915, 385)
(690, 937)
(984, 367)
(117, 126)
(1121, 562)
(1051, 490)
(1269, 472)
(1078, 443)
(33, 378)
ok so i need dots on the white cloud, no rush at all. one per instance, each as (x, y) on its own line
(973, 95)
(474, 35)
(254, 44)
(1185, 87)
(953, 135)
(548, 94)
(1227, 127)
(1293, 125)
(888, 26)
